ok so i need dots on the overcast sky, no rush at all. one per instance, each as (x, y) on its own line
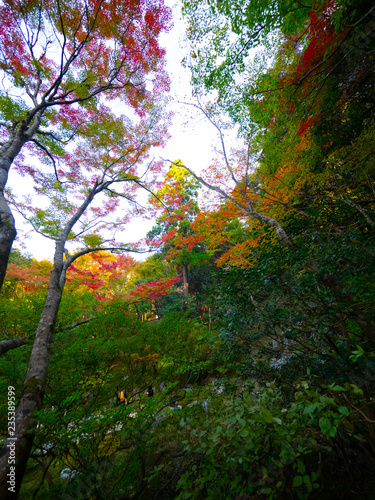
(192, 138)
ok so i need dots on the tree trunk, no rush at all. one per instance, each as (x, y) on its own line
(185, 276)
(19, 446)
(7, 231)
(247, 208)
(7, 225)
(31, 400)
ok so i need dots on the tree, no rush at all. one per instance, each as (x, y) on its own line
(104, 273)
(307, 115)
(317, 51)
(31, 277)
(238, 193)
(305, 91)
(152, 291)
(60, 61)
(103, 170)
(95, 357)
(178, 200)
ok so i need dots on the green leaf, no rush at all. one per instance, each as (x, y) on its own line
(357, 390)
(314, 475)
(344, 410)
(297, 481)
(309, 409)
(301, 466)
(267, 416)
(93, 240)
(325, 425)
(240, 420)
(337, 388)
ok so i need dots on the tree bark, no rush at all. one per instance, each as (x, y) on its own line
(31, 400)
(7, 236)
(7, 225)
(185, 276)
(34, 388)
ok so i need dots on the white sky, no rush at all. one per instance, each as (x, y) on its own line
(192, 139)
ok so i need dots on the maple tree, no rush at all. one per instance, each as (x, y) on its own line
(60, 61)
(299, 115)
(106, 165)
(178, 200)
(281, 110)
(152, 291)
(61, 103)
(34, 277)
(237, 189)
(148, 353)
(104, 273)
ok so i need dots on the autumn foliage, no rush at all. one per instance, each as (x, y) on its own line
(153, 289)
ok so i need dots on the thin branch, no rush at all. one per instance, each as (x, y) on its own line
(55, 138)
(357, 409)
(278, 200)
(71, 327)
(229, 168)
(361, 19)
(29, 220)
(358, 207)
(41, 146)
(150, 191)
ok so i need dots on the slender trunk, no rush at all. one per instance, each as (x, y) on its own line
(7, 236)
(185, 277)
(19, 446)
(247, 208)
(7, 225)
(139, 316)
(280, 231)
(7, 228)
